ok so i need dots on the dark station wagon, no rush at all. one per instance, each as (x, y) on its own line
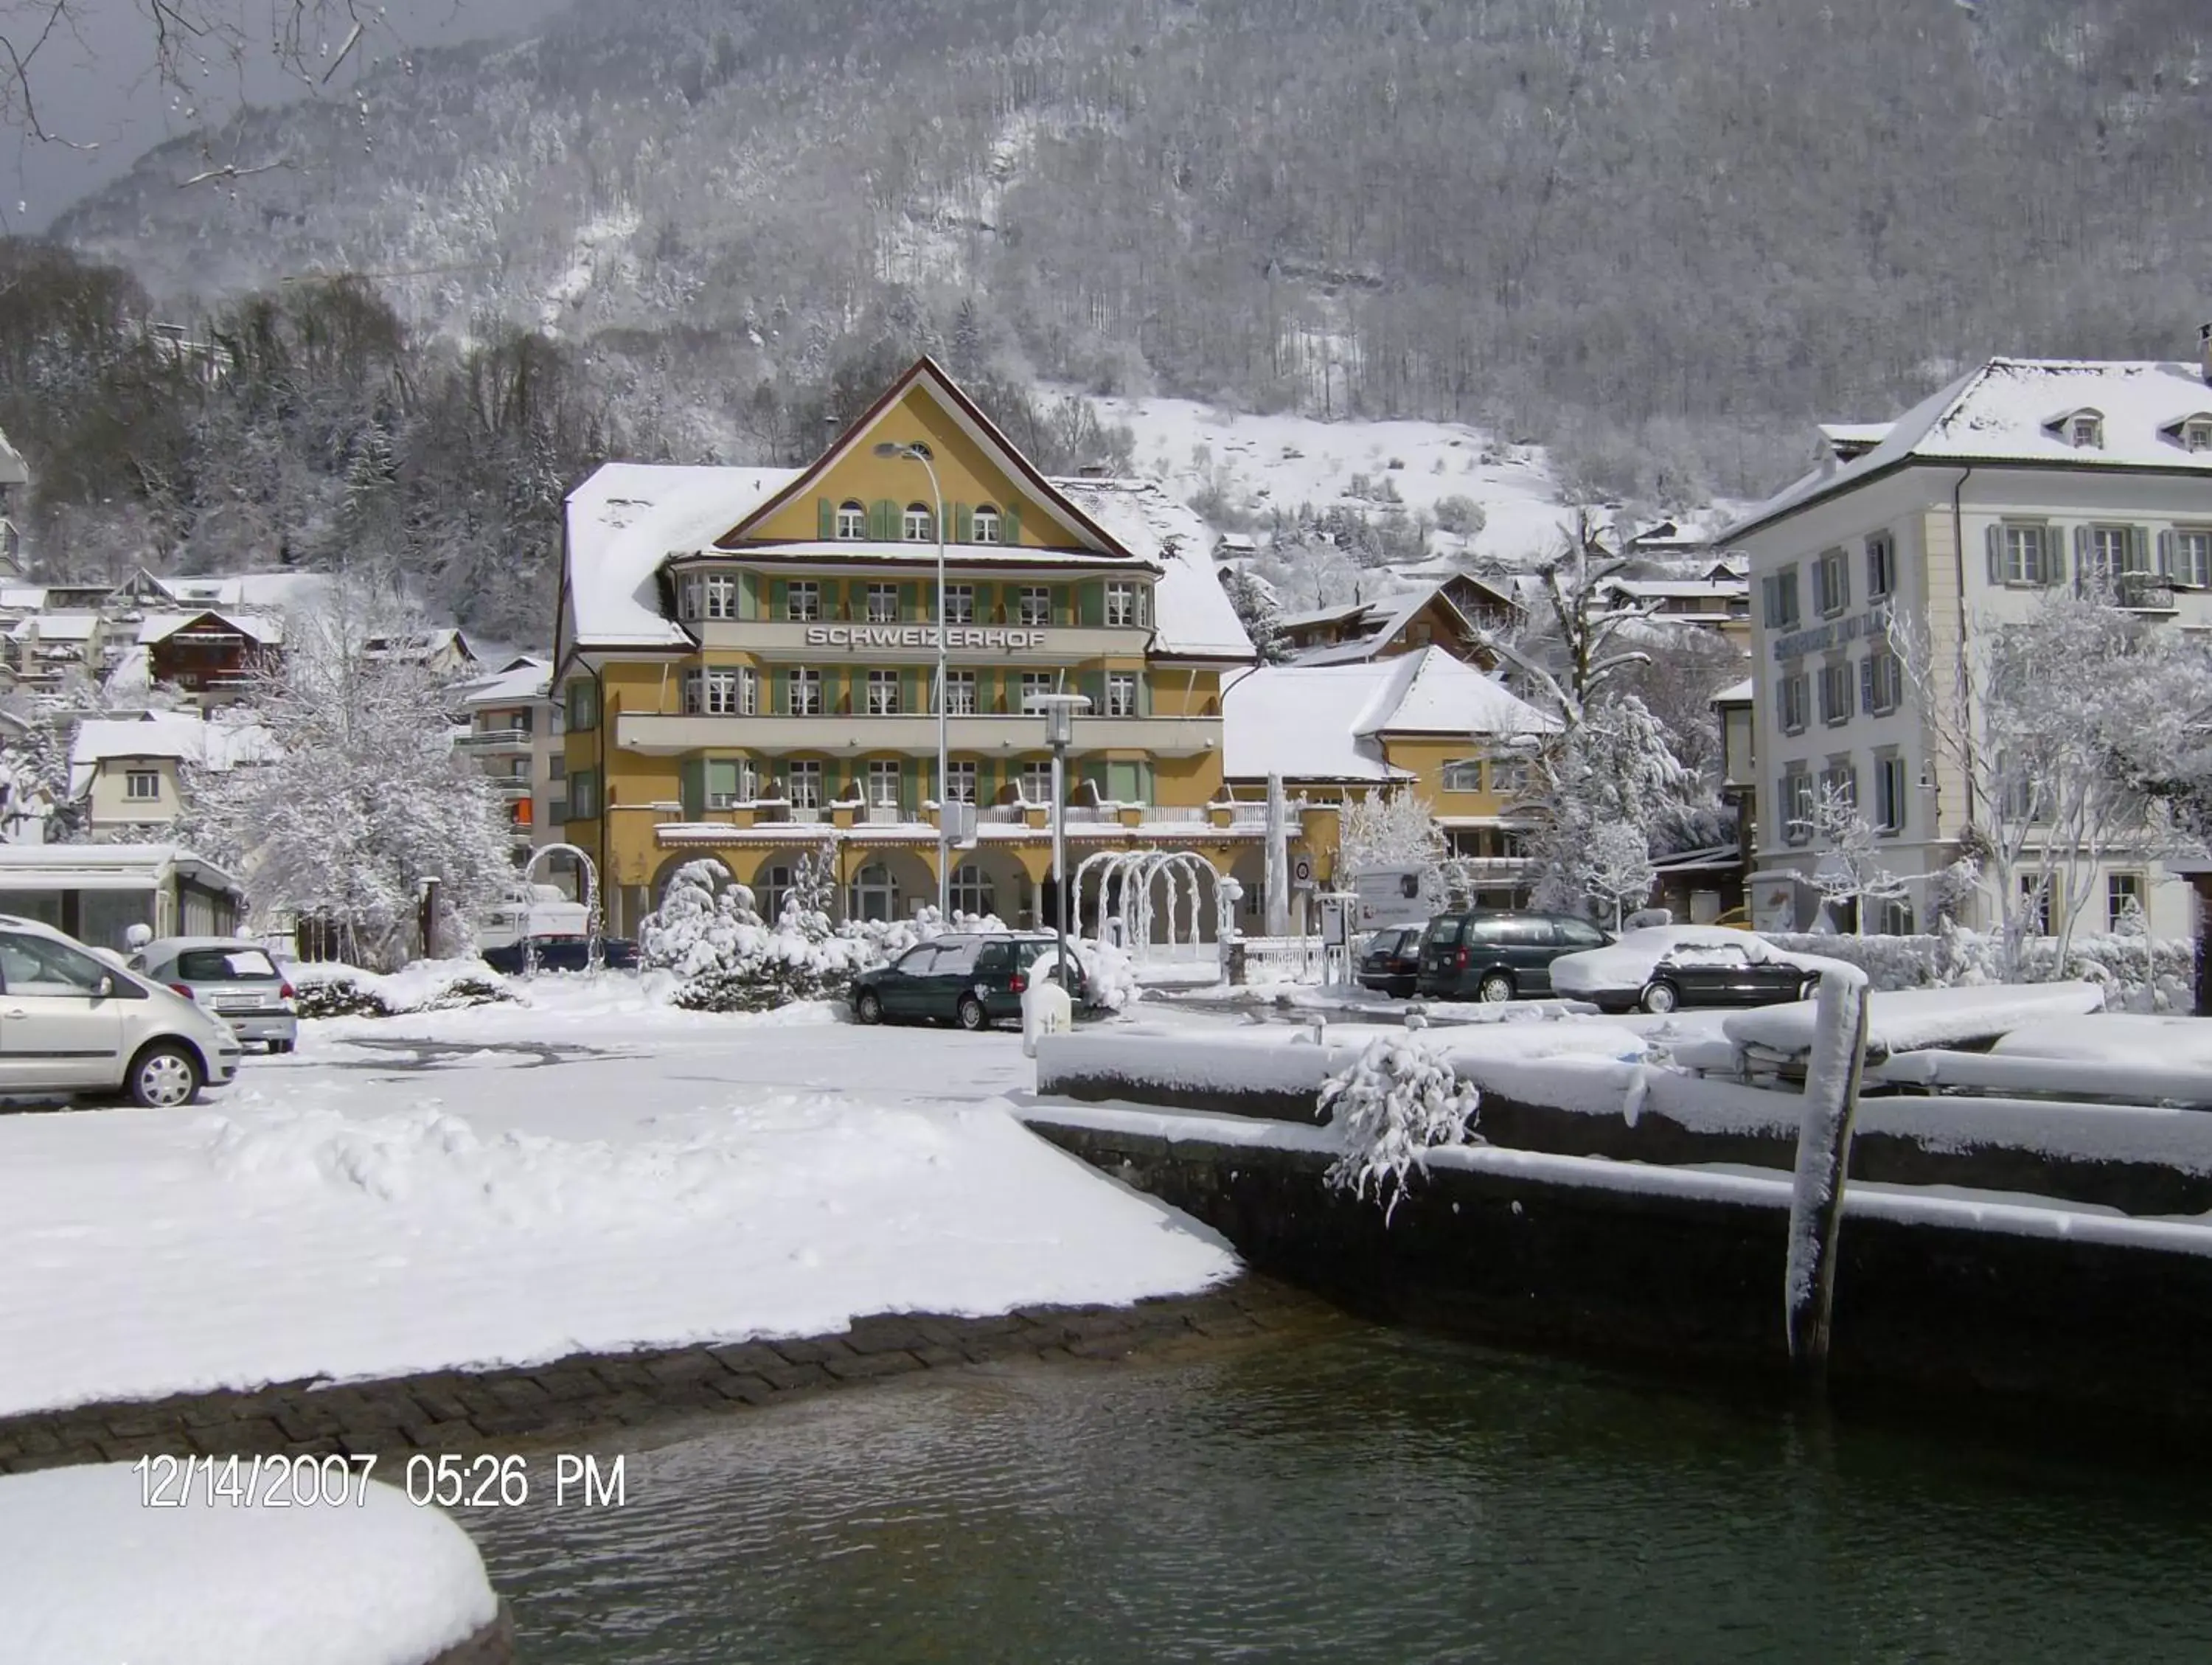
(963, 978)
(1390, 961)
(1499, 954)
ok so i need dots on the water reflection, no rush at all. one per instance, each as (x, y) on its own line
(1372, 1496)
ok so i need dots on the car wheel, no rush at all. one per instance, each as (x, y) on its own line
(280, 1046)
(1495, 986)
(971, 1014)
(868, 1008)
(1660, 997)
(163, 1075)
(1809, 989)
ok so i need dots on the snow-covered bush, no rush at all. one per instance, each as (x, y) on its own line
(1110, 975)
(1398, 1099)
(336, 991)
(2139, 973)
(329, 990)
(707, 932)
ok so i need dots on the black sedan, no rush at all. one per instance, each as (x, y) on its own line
(561, 954)
(1664, 966)
(1390, 961)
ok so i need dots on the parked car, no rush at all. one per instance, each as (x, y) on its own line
(1668, 966)
(71, 1022)
(1390, 960)
(239, 981)
(1499, 954)
(970, 979)
(562, 953)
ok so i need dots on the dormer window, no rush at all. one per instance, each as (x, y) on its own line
(852, 520)
(2085, 430)
(2196, 433)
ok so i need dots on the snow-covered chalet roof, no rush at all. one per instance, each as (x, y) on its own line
(57, 627)
(263, 628)
(1328, 722)
(182, 735)
(2011, 411)
(273, 591)
(624, 520)
(527, 679)
(22, 598)
(1192, 617)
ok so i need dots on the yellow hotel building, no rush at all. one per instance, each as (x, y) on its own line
(747, 660)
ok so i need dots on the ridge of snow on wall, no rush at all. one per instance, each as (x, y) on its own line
(1905, 1020)
(88, 1573)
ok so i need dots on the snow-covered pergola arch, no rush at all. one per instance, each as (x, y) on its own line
(594, 923)
(1129, 878)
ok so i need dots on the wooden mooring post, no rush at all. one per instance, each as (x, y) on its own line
(1824, 1159)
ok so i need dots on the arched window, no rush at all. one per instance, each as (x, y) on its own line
(987, 525)
(770, 891)
(875, 893)
(972, 891)
(921, 526)
(851, 519)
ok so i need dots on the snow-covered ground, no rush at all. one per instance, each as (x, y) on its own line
(506, 1184)
(1266, 463)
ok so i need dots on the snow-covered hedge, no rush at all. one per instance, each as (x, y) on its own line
(328, 989)
(2137, 974)
(1399, 1098)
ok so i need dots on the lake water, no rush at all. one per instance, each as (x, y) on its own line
(1367, 1495)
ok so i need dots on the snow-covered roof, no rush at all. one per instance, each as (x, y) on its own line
(1737, 693)
(57, 626)
(622, 524)
(1329, 722)
(182, 735)
(418, 645)
(1378, 622)
(12, 470)
(263, 628)
(274, 591)
(1192, 617)
(22, 598)
(68, 866)
(526, 680)
(2012, 410)
(1681, 589)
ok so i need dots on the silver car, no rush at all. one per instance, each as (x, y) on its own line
(71, 1022)
(239, 981)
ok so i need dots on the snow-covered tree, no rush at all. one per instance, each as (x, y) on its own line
(1581, 638)
(1397, 1101)
(1612, 771)
(1611, 870)
(1257, 612)
(2064, 728)
(1849, 874)
(1396, 830)
(363, 797)
(35, 805)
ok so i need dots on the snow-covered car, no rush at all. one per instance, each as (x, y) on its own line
(71, 1022)
(1662, 967)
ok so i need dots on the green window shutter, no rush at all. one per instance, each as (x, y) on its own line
(911, 685)
(883, 516)
(826, 519)
(779, 692)
(692, 776)
(833, 598)
(1060, 604)
(1145, 781)
(986, 596)
(986, 781)
(912, 784)
(1090, 602)
(1121, 778)
(2165, 554)
(779, 598)
(1010, 524)
(963, 524)
(2054, 553)
(910, 604)
(748, 595)
(1143, 697)
(721, 778)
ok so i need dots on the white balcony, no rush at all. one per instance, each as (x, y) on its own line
(914, 734)
(497, 740)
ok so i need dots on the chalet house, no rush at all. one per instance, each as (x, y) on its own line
(443, 653)
(1717, 603)
(44, 648)
(214, 655)
(1449, 616)
(129, 772)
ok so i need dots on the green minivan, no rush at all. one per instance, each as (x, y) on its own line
(1497, 954)
(969, 978)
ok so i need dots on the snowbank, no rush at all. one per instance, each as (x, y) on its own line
(89, 1573)
(2137, 974)
(1907, 1019)
(2177, 1043)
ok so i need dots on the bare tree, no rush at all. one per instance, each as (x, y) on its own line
(1578, 644)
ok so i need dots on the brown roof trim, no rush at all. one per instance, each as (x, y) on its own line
(927, 366)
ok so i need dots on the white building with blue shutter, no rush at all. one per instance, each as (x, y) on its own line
(2024, 475)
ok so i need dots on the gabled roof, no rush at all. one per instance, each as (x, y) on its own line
(1330, 722)
(1379, 623)
(259, 627)
(270, 590)
(2000, 414)
(927, 375)
(57, 626)
(183, 736)
(522, 680)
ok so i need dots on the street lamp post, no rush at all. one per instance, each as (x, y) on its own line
(920, 453)
(1058, 711)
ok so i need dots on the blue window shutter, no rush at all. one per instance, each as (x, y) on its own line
(2165, 554)
(1994, 537)
(1866, 684)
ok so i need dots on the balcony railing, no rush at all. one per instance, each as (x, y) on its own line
(492, 738)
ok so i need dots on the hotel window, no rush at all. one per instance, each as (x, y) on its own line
(771, 890)
(1792, 695)
(883, 603)
(883, 693)
(1780, 591)
(803, 694)
(920, 526)
(2191, 561)
(1465, 776)
(2024, 554)
(1880, 566)
(1840, 781)
(730, 782)
(2086, 430)
(1889, 790)
(960, 782)
(2035, 899)
(1836, 692)
(1035, 683)
(960, 603)
(1120, 605)
(883, 783)
(972, 891)
(720, 595)
(584, 795)
(802, 602)
(1036, 783)
(1121, 694)
(142, 784)
(718, 693)
(1796, 800)
(960, 693)
(2102, 553)
(2123, 901)
(1035, 605)
(1881, 683)
(803, 782)
(987, 525)
(852, 520)
(1832, 583)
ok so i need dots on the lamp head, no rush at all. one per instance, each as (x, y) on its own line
(918, 452)
(1059, 713)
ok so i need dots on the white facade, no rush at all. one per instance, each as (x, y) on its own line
(1965, 513)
